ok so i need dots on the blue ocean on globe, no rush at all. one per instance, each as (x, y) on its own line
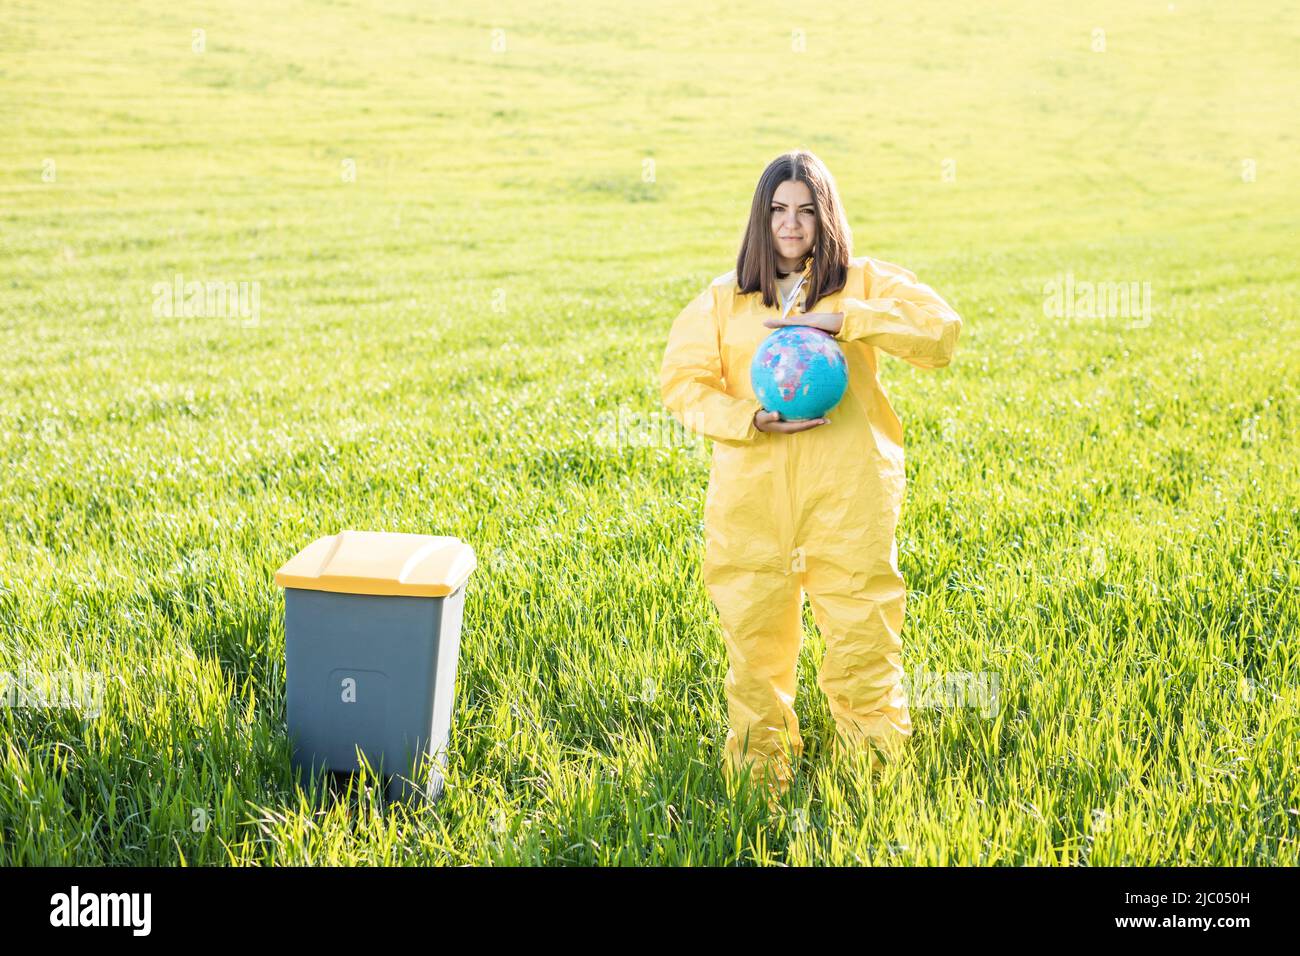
(800, 372)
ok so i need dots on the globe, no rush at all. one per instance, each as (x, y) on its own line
(800, 372)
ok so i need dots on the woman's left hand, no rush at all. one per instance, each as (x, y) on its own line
(830, 322)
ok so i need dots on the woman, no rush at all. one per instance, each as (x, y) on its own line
(804, 506)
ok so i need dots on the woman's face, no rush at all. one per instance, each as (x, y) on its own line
(794, 223)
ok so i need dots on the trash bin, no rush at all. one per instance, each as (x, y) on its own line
(371, 637)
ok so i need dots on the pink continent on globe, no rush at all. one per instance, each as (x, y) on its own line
(791, 361)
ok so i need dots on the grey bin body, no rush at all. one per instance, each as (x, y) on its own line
(376, 674)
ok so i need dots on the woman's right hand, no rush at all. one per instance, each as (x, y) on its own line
(766, 421)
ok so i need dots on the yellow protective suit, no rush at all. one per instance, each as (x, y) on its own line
(812, 511)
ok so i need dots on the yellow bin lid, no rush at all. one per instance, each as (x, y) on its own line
(380, 562)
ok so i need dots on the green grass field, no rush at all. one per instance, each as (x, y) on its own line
(469, 248)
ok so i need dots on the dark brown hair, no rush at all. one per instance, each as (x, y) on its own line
(756, 263)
